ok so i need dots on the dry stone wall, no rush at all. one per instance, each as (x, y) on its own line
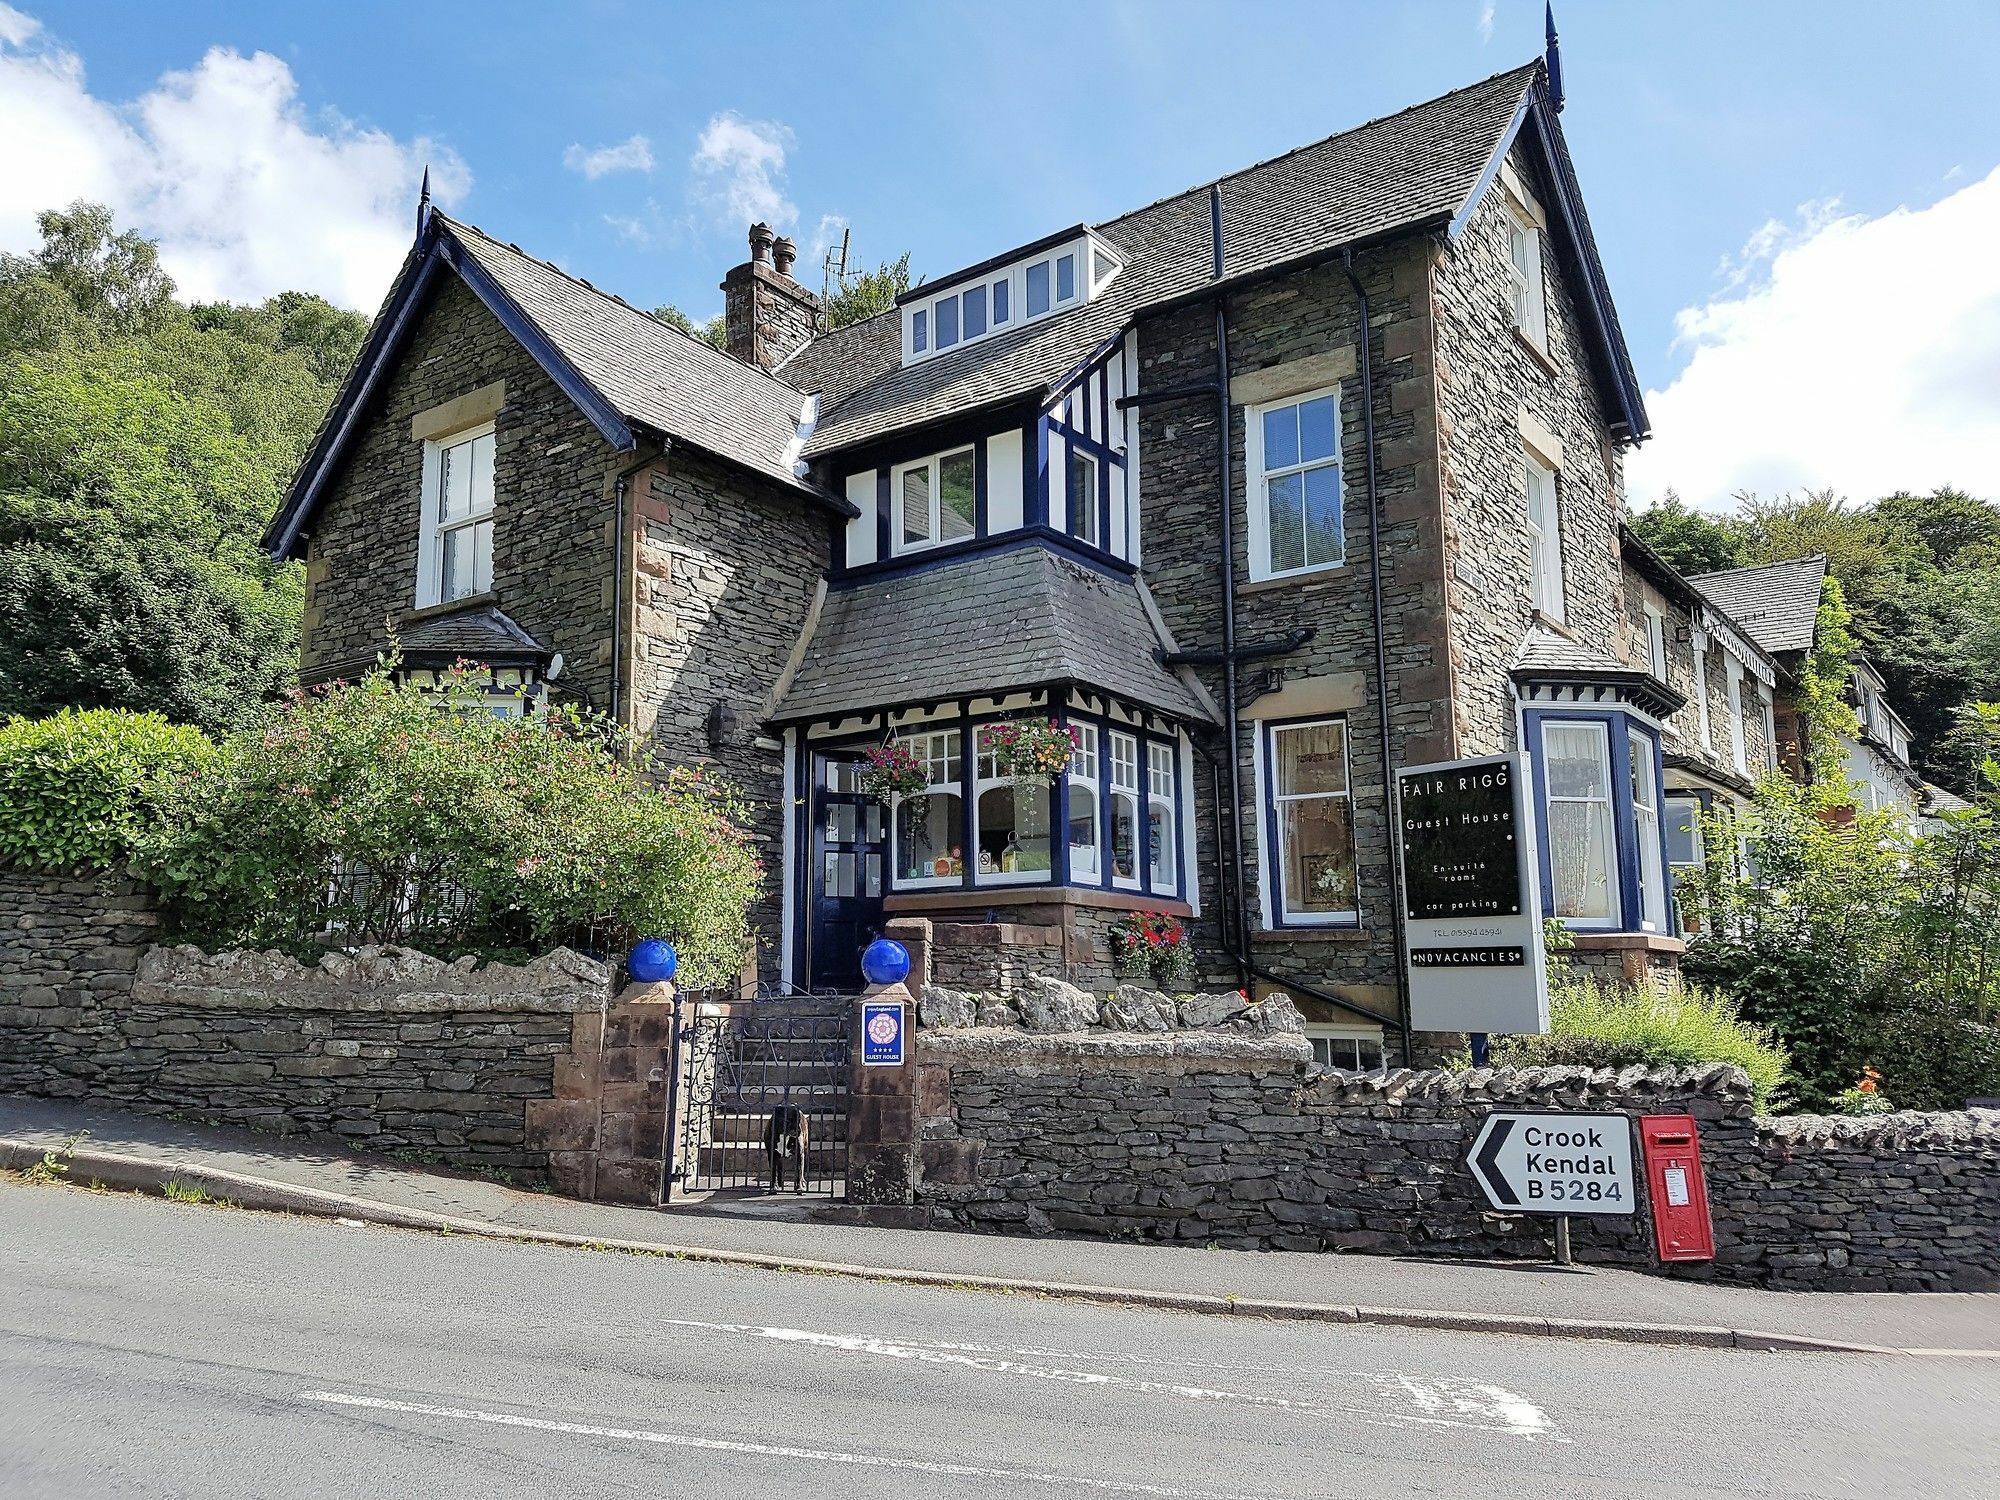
(381, 1050)
(1143, 1117)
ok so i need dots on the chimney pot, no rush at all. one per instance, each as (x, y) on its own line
(784, 252)
(760, 243)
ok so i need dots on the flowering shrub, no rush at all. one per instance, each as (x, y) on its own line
(1155, 945)
(382, 813)
(894, 771)
(1028, 749)
(1865, 1098)
(80, 788)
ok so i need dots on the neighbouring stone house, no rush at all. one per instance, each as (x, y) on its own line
(1262, 489)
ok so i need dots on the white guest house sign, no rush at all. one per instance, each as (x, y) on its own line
(1472, 931)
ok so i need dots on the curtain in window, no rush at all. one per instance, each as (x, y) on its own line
(1582, 857)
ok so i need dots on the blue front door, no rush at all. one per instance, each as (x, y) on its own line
(850, 856)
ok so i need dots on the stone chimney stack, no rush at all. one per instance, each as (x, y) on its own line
(768, 314)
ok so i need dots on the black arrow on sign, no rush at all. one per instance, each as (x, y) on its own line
(1488, 1164)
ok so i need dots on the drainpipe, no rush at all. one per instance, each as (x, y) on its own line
(1225, 500)
(618, 485)
(1381, 654)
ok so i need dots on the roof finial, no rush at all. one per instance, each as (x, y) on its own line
(424, 201)
(1553, 56)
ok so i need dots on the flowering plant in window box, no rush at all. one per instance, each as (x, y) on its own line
(894, 771)
(1153, 945)
(1029, 750)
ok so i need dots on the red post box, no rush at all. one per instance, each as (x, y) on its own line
(1681, 1227)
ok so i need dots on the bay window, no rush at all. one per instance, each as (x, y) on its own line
(1012, 821)
(1083, 496)
(1161, 817)
(929, 829)
(1293, 460)
(1684, 830)
(1646, 831)
(1124, 809)
(1310, 824)
(457, 558)
(937, 500)
(1583, 847)
(1082, 793)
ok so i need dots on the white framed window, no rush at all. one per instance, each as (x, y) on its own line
(1353, 1049)
(937, 500)
(1084, 809)
(1010, 822)
(1583, 840)
(1646, 830)
(1683, 830)
(1524, 272)
(1038, 289)
(1162, 819)
(1739, 754)
(928, 839)
(1002, 298)
(1124, 809)
(1312, 823)
(920, 330)
(1656, 643)
(1545, 554)
(1293, 459)
(457, 539)
(1083, 497)
(1702, 715)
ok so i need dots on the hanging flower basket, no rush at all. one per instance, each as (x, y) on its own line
(1153, 945)
(894, 771)
(1029, 749)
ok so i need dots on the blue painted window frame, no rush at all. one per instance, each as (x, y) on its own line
(1624, 822)
(1267, 744)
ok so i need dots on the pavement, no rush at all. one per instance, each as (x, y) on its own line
(157, 1348)
(255, 1170)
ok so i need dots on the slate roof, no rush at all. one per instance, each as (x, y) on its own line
(651, 372)
(1777, 604)
(482, 634)
(1405, 171)
(982, 624)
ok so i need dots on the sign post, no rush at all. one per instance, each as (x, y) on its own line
(1472, 935)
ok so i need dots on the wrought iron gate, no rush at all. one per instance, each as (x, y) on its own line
(738, 1058)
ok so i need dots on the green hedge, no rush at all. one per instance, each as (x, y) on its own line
(85, 788)
(1594, 1024)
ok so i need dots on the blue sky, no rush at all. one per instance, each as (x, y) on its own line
(1713, 141)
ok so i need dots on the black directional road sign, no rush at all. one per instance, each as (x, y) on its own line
(1555, 1164)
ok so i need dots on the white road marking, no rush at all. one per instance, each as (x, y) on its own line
(764, 1450)
(1403, 1399)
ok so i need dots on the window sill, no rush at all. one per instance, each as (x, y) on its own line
(1597, 941)
(1548, 621)
(449, 606)
(1314, 934)
(1538, 349)
(982, 897)
(1293, 579)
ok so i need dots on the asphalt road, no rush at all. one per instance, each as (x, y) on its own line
(153, 1348)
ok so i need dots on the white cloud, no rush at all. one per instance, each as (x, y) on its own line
(1841, 351)
(635, 155)
(1486, 21)
(739, 170)
(247, 192)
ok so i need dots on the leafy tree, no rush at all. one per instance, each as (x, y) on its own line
(867, 293)
(714, 333)
(1688, 539)
(143, 446)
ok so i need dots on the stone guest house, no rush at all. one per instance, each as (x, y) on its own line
(1260, 489)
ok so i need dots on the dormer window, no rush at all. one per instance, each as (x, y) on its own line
(936, 501)
(456, 558)
(1056, 275)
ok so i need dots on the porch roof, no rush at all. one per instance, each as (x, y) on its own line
(982, 625)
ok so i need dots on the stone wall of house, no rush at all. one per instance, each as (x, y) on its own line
(1683, 729)
(727, 572)
(1287, 335)
(1488, 378)
(1134, 1118)
(552, 529)
(383, 1050)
